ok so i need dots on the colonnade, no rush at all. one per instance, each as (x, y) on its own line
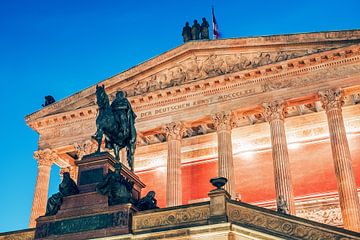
(274, 113)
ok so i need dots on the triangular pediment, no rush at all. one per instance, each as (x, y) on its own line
(195, 61)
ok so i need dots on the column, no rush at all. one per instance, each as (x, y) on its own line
(332, 101)
(174, 132)
(45, 159)
(274, 113)
(223, 122)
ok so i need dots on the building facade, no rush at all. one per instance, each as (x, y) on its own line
(278, 116)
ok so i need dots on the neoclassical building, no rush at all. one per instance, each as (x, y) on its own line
(278, 116)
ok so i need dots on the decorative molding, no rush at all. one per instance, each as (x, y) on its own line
(85, 148)
(170, 218)
(330, 215)
(281, 225)
(46, 157)
(332, 99)
(223, 120)
(174, 130)
(274, 110)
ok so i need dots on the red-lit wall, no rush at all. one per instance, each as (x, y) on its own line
(311, 165)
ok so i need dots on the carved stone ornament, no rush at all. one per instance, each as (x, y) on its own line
(46, 157)
(85, 148)
(328, 215)
(332, 99)
(196, 68)
(223, 120)
(274, 110)
(174, 130)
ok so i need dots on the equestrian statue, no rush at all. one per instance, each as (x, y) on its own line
(117, 123)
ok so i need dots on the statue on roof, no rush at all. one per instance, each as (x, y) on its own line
(195, 30)
(48, 100)
(204, 29)
(186, 33)
(117, 123)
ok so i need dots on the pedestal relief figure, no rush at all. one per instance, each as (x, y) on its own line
(332, 101)
(117, 123)
(116, 187)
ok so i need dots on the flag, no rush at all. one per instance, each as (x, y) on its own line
(216, 33)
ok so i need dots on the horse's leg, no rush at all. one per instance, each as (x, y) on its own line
(116, 151)
(99, 136)
(130, 149)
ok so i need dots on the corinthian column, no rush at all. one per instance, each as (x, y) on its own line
(274, 113)
(332, 101)
(45, 159)
(222, 122)
(174, 132)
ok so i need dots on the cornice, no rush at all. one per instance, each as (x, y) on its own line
(268, 78)
(349, 36)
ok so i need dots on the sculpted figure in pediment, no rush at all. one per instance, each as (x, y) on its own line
(141, 87)
(178, 76)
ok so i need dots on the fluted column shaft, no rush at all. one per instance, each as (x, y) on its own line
(45, 160)
(222, 122)
(275, 113)
(174, 132)
(332, 101)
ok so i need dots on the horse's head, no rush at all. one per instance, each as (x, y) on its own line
(102, 98)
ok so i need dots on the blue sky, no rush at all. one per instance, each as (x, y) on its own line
(60, 47)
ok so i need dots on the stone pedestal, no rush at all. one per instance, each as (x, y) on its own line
(87, 214)
(218, 198)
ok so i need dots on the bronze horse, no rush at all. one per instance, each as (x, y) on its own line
(116, 122)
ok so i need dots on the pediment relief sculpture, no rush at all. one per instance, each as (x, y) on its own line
(202, 67)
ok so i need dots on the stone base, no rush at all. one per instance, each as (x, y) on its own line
(88, 214)
(84, 224)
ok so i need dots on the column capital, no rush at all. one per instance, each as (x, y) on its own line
(223, 120)
(85, 148)
(332, 98)
(45, 157)
(174, 130)
(274, 110)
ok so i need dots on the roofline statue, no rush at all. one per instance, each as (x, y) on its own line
(117, 123)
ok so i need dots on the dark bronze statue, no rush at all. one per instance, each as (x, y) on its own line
(48, 100)
(148, 202)
(116, 187)
(204, 29)
(195, 30)
(53, 204)
(117, 123)
(186, 32)
(66, 188)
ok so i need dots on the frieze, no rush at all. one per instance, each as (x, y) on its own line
(279, 225)
(330, 215)
(180, 216)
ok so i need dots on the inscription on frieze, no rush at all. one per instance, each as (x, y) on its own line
(91, 176)
(82, 224)
(196, 103)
